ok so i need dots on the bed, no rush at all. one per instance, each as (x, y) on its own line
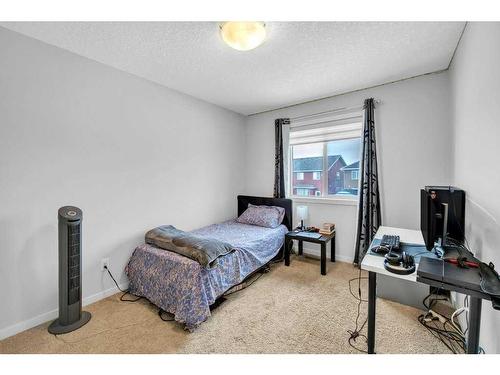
(182, 287)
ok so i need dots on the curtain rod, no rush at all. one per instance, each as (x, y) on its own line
(330, 111)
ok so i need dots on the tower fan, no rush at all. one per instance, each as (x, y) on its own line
(71, 316)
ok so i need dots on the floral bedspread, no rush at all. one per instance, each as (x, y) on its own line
(183, 287)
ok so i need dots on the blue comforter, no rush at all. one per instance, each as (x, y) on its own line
(182, 287)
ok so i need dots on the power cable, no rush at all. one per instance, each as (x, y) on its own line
(354, 334)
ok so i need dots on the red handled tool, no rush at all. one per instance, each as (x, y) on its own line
(463, 262)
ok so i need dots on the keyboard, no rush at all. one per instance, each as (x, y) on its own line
(390, 241)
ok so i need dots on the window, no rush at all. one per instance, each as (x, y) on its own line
(324, 160)
(343, 155)
(308, 180)
(302, 192)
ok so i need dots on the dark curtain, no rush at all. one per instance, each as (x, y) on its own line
(279, 175)
(369, 216)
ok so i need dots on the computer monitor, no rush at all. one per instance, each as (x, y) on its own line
(442, 215)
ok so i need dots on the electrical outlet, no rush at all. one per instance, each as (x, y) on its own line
(104, 262)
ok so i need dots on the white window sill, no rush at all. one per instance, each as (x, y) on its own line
(345, 201)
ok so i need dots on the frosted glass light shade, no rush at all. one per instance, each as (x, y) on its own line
(302, 212)
(243, 36)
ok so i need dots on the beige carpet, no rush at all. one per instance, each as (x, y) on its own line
(289, 310)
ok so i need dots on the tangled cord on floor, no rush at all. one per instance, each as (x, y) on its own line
(452, 338)
(161, 313)
(354, 334)
(125, 292)
(447, 331)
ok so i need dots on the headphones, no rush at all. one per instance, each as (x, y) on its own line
(403, 264)
(381, 249)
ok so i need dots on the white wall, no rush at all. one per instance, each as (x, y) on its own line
(475, 88)
(132, 154)
(413, 145)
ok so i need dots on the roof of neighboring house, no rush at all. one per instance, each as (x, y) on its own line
(314, 164)
(353, 166)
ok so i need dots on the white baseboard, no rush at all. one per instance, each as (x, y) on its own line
(27, 324)
(50, 315)
(105, 293)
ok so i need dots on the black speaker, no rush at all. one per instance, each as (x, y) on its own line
(71, 316)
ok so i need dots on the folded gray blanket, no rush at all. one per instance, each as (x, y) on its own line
(201, 249)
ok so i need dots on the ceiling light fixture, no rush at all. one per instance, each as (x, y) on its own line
(243, 36)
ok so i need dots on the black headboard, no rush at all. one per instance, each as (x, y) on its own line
(244, 200)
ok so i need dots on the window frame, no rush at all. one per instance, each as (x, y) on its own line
(347, 199)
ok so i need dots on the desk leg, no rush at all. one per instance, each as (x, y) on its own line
(372, 296)
(332, 249)
(288, 244)
(301, 247)
(474, 325)
(323, 258)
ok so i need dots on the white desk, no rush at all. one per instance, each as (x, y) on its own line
(375, 263)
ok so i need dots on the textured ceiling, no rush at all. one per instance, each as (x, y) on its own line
(300, 61)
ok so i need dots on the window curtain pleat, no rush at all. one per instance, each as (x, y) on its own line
(369, 214)
(285, 132)
(281, 159)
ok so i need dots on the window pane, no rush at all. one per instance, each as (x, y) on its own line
(307, 165)
(343, 166)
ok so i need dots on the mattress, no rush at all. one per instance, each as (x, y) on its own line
(183, 287)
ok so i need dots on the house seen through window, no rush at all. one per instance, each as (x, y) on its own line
(326, 169)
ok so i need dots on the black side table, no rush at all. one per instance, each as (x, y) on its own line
(323, 240)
